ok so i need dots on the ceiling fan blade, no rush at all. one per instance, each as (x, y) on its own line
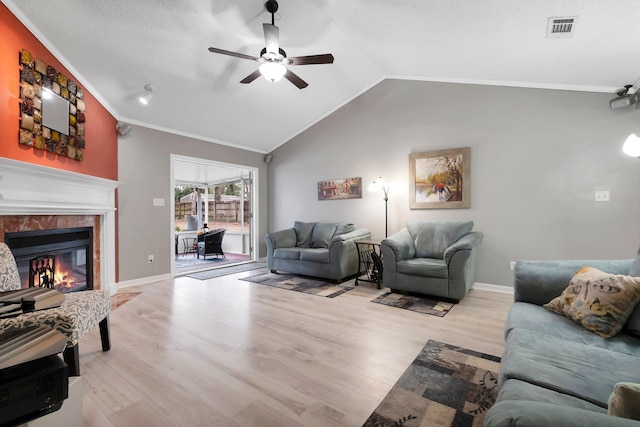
(251, 77)
(326, 58)
(293, 78)
(271, 38)
(236, 54)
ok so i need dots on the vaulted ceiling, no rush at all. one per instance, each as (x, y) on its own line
(115, 47)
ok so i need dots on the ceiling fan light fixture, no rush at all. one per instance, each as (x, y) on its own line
(272, 71)
(146, 96)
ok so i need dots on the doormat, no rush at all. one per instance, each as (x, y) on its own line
(418, 304)
(299, 284)
(444, 386)
(224, 271)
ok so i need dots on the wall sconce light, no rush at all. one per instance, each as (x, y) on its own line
(377, 185)
(631, 146)
(147, 94)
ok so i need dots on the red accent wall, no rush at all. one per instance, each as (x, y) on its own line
(101, 152)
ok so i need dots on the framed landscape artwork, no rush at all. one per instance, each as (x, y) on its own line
(440, 179)
(339, 189)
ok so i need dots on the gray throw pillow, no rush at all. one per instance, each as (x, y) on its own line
(303, 231)
(433, 238)
(322, 234)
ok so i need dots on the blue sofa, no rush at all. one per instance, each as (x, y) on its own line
(553, 371)
(318, 249)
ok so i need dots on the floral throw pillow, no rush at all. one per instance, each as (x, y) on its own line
(599, 301)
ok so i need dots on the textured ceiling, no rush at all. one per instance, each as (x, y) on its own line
(115, 47)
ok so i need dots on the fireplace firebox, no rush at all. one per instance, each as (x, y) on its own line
(60, 259)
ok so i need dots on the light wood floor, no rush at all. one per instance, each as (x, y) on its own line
(226, 352)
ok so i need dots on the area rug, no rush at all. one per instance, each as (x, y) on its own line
(418, 304)
(444, 386)
(299, 284)
(189, 262)
(224, 271)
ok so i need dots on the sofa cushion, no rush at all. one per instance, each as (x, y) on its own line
(599, 301)
(320, 255)
(633, 324)
(625, 401)
(344, 228)
(533, 317)
(520, 390)
(426, 267)
(287, 253)
(304, 231)
(322, 234)
(575, 369)
(433, 238)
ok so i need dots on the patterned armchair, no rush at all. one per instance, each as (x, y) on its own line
(77, 315)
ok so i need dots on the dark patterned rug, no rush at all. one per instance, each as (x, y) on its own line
(414, 303)
(444, 386)
(299, 284)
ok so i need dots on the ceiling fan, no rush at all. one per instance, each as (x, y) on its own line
(274, 60)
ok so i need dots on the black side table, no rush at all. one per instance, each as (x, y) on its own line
(369, 262)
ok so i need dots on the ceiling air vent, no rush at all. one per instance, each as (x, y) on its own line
(561, 28)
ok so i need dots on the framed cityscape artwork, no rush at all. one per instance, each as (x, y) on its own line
(340, 189)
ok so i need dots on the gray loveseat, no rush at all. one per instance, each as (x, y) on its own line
(316, 249)
(553, 371)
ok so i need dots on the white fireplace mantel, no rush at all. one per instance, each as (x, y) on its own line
(29, 189)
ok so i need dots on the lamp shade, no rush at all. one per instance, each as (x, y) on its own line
(631, 146)
(272, 71)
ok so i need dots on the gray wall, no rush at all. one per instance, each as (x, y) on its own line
(537, 157)
(144, 174)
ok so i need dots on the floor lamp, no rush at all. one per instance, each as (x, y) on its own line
(376, 185)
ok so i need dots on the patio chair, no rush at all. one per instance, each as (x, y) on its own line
(77, 315)
(210, 243)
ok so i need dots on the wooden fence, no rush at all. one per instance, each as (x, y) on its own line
(228, 211)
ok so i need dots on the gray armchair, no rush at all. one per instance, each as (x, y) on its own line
(433, 258)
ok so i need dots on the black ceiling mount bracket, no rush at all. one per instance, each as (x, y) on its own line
(272, 8)
(625, 90)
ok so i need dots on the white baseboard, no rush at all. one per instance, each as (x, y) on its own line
(142, 281)
(493, 288)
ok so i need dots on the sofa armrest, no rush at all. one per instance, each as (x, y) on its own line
(343, 254)
(467, 242)
(401, 244)
(281, 239)
(357, 234)
(524, 413)
(538, 282)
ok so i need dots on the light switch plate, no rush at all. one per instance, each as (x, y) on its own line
(158, 202)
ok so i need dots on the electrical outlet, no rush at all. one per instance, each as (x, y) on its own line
(158, 202)
(603, 196)
(150, 259)
(512, 265)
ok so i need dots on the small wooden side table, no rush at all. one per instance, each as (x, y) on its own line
(369, 262)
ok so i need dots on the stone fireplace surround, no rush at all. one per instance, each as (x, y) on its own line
(34, 197)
